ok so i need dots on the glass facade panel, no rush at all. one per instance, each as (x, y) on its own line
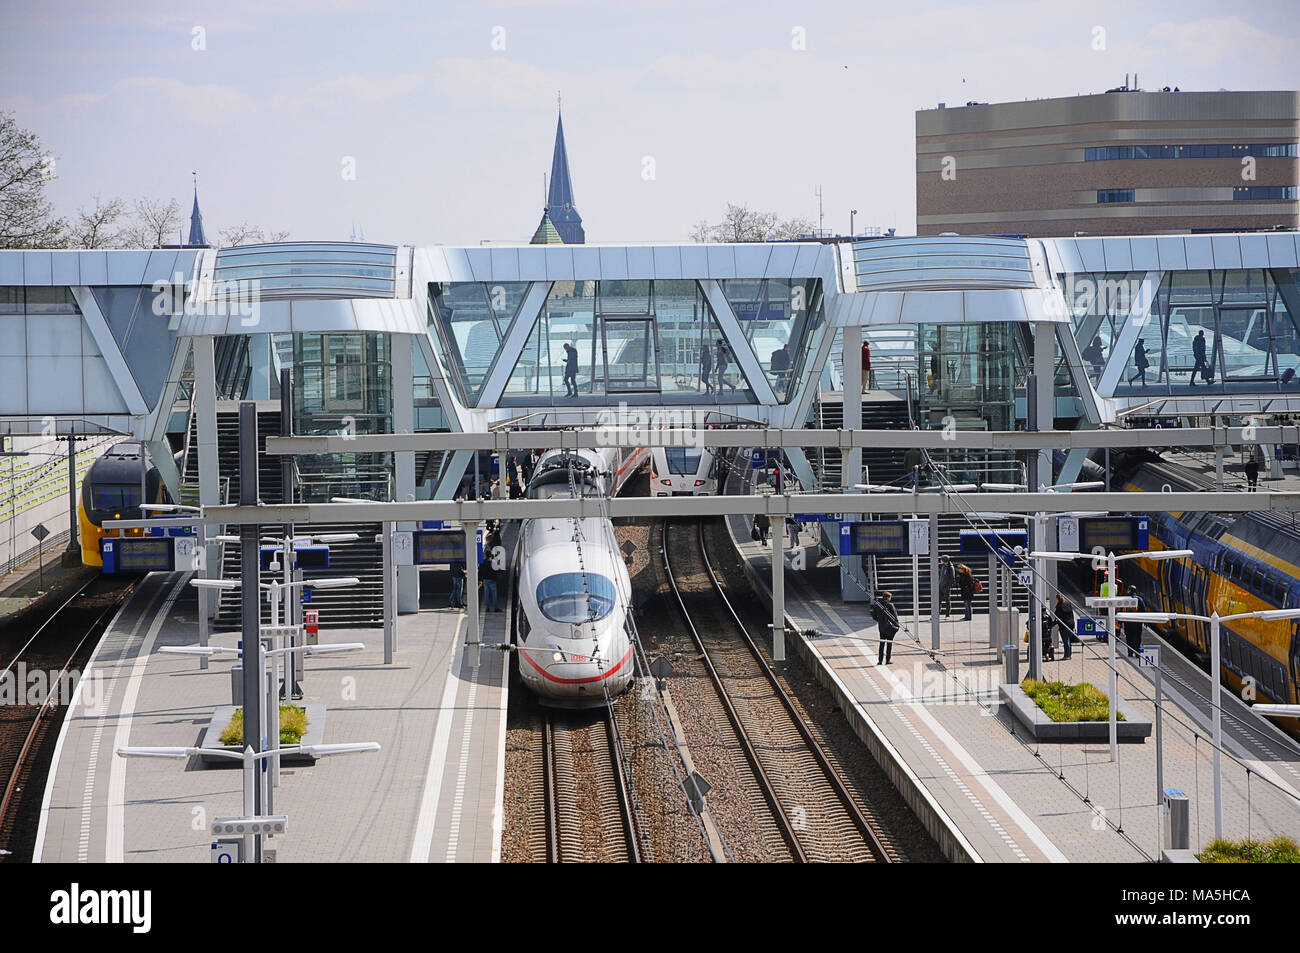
(470, 320)
(343, 383)
(778, 317)
(653, 340)
(51, 300)
(1190, 335)
(11, 299)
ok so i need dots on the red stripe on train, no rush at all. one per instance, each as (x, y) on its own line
(576, 681)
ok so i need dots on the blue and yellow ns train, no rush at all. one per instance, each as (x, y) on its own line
(113, 488)
(1241, 564)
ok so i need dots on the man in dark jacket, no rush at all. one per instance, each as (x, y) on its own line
(886, 616)
(947, 579)
(1065, 622)
(488, 575)
(1133, 630)
(1198, 352)
(570, 371)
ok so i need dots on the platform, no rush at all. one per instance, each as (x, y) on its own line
(986, 790)
(433, 793)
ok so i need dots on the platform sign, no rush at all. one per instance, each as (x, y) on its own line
(818, 517)
(1025, 577)
(978, 542)
(435, 524)
(874, 538)
(228, 850)
(1085, 626)
(918, 537)
(495, 467)
(441, 547)
(137, 554)
(1149, 656)
(1114, 534)
(40, 532)
(758, 459)
(168, 527)
(304, 557)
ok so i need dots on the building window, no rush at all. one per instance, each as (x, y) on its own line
(1257, 192)
(1214, 150)
(1111, 196)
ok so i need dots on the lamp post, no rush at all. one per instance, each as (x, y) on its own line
(1216, 689)
(1112, 601)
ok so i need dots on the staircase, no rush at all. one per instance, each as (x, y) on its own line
(895, 572)
(884, 465)
(355, 606)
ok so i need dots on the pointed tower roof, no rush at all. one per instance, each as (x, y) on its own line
(546, 233)
(560, 206)
(197, 238)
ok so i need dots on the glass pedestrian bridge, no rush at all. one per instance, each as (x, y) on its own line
(387, 338)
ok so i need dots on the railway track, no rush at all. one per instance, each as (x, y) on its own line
(810, 808)
(588, 808)
(57, 648)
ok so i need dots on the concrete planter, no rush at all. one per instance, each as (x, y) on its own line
(1133, 728)
(221, 718)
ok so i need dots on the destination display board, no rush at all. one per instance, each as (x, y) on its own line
(874, 538)
(978, 542)
(139, 554)
(1113, 534)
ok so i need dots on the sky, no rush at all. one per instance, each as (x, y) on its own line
(445, 112)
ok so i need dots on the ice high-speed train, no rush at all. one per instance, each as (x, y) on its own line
(574, 592)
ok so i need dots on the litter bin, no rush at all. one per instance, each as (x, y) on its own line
(237, 684)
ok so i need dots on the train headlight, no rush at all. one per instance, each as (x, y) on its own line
(558, 657)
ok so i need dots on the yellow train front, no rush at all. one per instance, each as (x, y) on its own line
(114, 487)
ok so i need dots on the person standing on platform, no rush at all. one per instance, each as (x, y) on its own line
(886, 616)
(792, 531)
(488, 575)
(1133, 630)
(947, 579)
(457, 585)
(763, 525)
(866, 366)
(966, 589)
(1252, 470)
(1065, 622)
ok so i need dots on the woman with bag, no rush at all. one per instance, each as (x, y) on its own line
(966, 588)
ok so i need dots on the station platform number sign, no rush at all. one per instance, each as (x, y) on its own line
(1085, 626)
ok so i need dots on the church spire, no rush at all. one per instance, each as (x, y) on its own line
(559, 201)
(197, 238)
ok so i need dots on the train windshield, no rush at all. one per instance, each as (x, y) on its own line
(109, 497)
(685, 460)
(574, 597)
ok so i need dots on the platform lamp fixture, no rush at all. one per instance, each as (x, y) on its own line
(1216, 683)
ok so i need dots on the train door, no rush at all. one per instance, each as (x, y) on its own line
(1295, 662)
(1198, 592)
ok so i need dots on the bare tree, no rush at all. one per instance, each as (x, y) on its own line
(26, 217)
(245, 234)
(740, 223)
(155, 224)
(99, 226)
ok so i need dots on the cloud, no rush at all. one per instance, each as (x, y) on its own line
(1208, 42)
